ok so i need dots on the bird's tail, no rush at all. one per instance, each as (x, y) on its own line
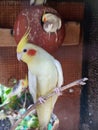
(45, 111)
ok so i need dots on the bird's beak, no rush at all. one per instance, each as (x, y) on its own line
(19, 55)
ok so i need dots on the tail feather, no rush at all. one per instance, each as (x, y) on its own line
(44, 112)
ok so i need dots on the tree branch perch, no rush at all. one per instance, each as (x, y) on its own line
(33, 107)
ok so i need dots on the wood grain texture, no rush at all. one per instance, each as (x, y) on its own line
(6, 39)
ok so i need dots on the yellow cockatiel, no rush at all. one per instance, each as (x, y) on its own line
(44, 75)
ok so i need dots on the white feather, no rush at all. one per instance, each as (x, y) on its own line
(60, 73)
(32, 85)
(37, 2)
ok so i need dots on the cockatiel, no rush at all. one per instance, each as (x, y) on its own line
(19, 88)
(51, 23)
(44, 75)
(37, 2)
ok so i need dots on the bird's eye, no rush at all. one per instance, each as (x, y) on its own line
(25, 50)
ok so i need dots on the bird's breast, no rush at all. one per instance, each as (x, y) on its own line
(46, 74)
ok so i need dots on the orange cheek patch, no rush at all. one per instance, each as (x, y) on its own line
(44, 19)
(31, 52)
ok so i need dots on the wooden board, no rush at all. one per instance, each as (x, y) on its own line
(6, 39)
(72, 35)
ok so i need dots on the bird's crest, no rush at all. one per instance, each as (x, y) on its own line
(23, 40)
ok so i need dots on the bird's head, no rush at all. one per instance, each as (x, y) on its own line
(48, 17)
(25, 82)
(25, 51)
(44, 17)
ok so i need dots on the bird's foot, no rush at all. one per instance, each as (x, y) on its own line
(58, 91)
(42, 100)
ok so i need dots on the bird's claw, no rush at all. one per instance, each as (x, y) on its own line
(42, 100)
(83, 81)
(58, 91)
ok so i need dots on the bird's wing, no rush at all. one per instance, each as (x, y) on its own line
(32, 85)
(59, 23)
(60, 73)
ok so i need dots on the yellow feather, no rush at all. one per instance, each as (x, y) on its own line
(26, 81)
(43, 16)
(23, 40)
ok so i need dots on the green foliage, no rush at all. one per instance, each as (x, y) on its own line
(30, 121)
(16, 103)
(33, 122)
(4, 91)
(8, 103)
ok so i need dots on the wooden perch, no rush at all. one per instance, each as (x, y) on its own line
(33, 107)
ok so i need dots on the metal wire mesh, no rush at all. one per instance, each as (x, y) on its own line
(9, 9)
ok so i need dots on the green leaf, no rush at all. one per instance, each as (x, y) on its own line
(33, 122)
(8, 91)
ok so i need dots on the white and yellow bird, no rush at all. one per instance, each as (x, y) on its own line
(51, 23)
(19, 87)
(44, 75)
(37, 2)
(17, 90)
